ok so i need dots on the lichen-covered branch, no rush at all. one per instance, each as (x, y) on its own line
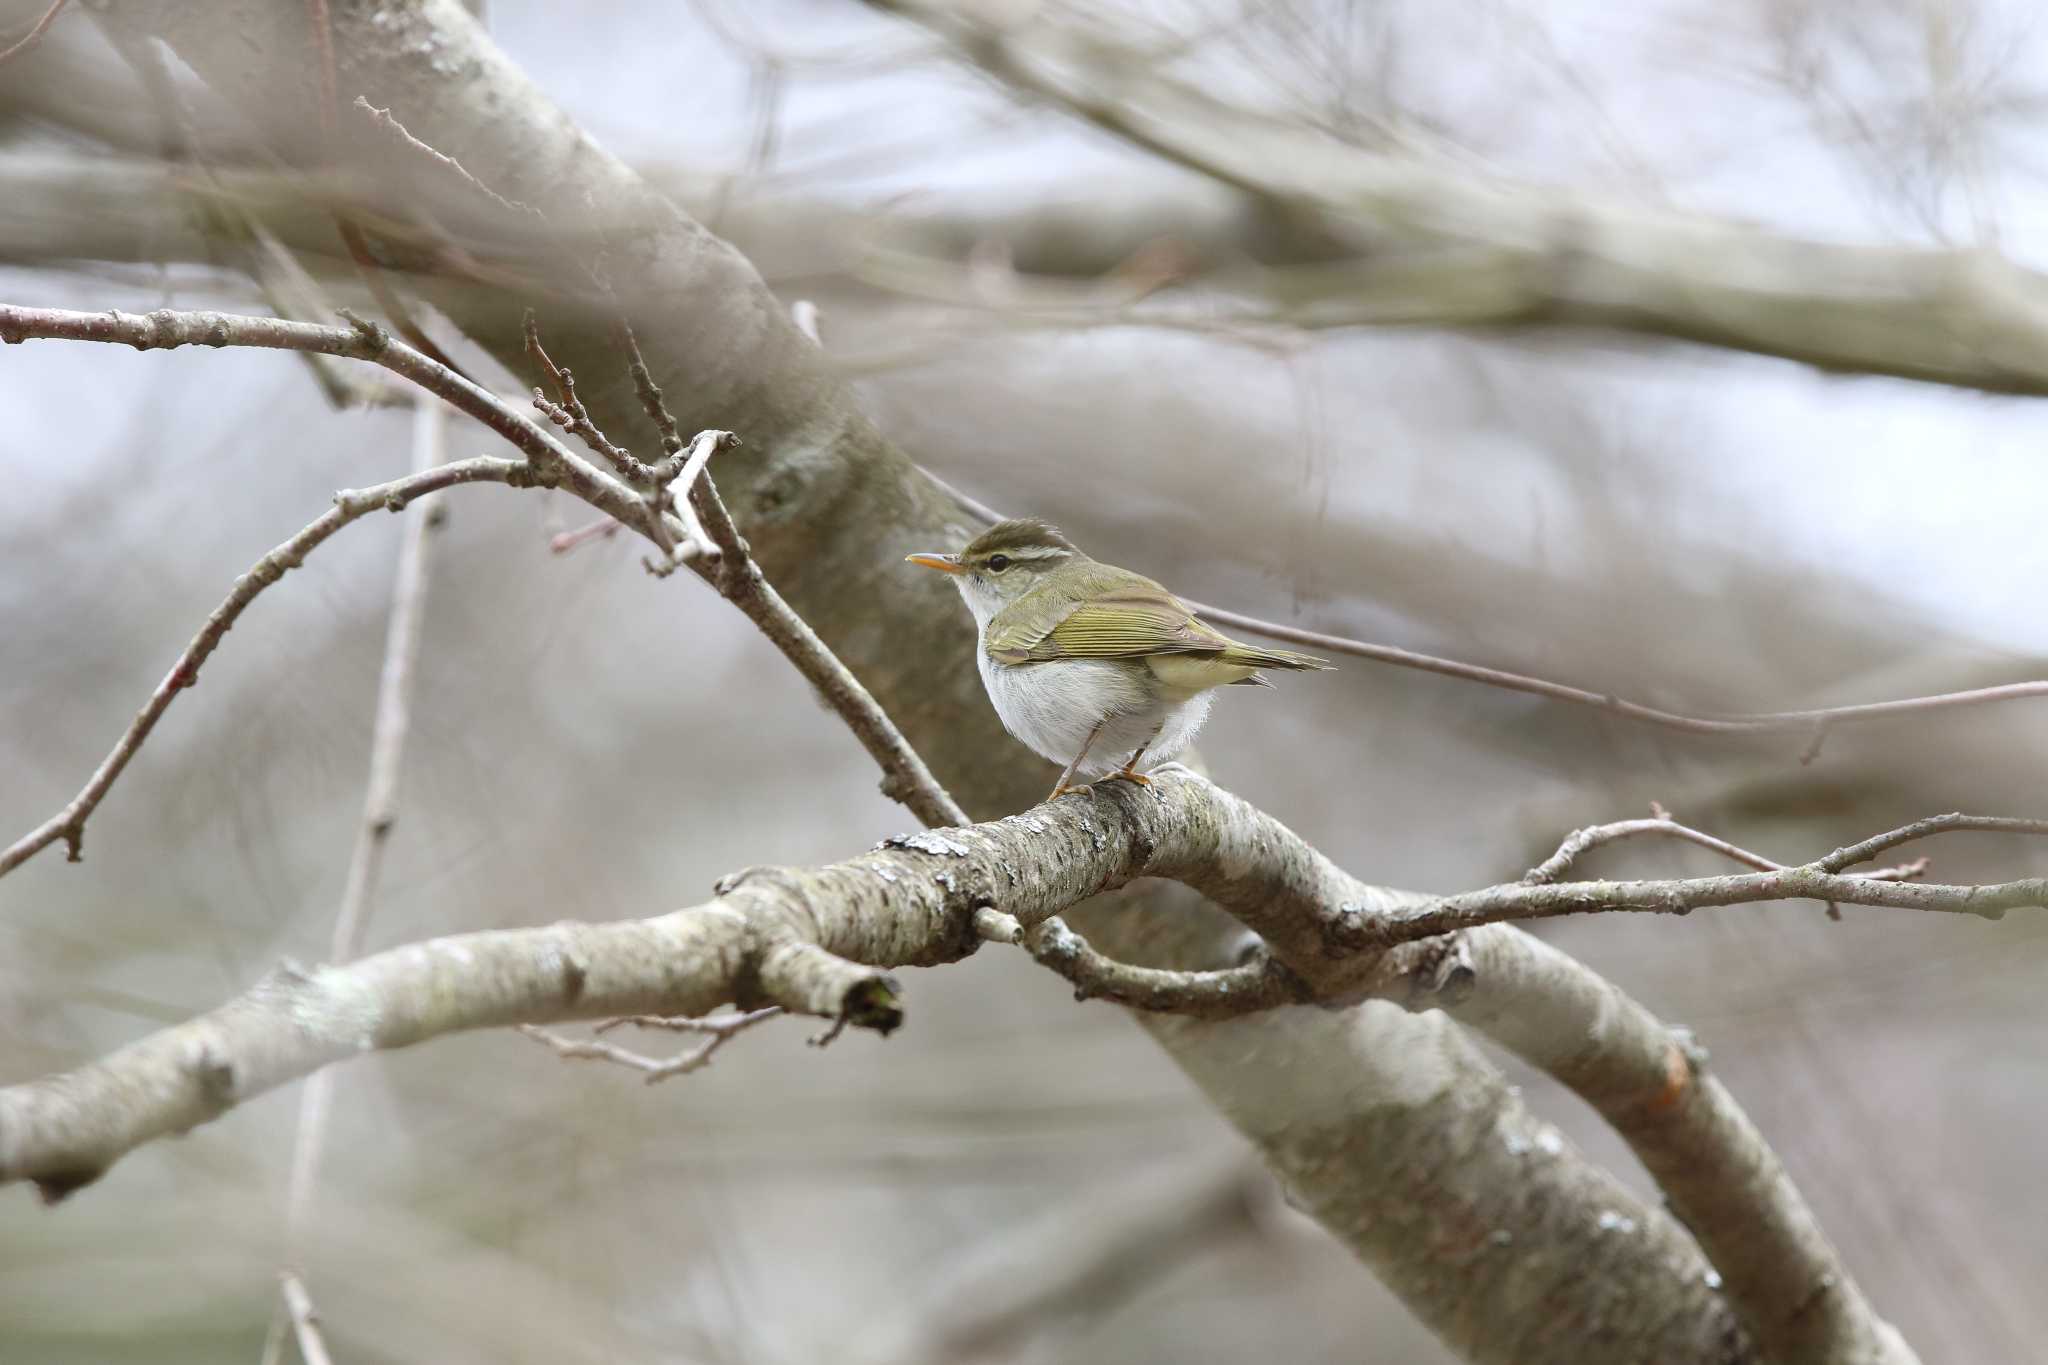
(817, 942)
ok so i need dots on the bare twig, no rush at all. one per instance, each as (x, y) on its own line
(709, 1024)
(648, 391)
(380, 798)
(1579, 842)
(305, 1320)
(905, 776)
(320, 21)
(570, 414)
(1953, 822)
(548, 463)
(604, 528)
(1070, 1263)
(1817, 719)
(719, 1028)
(1582, 841)
(27, 42)
(350, 505)
(166, 329)
(384, 120)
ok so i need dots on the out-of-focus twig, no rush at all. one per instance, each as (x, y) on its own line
(393, 722)
(305, 1320)
(718, 1028)
(733, 572)
(385, 121)
(320, 21)
(27, 42)
(1071, 1263)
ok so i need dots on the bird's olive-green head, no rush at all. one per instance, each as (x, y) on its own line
(1003, 563)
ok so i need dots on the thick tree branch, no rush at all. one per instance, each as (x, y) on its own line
(1396, 239)
(795, 938)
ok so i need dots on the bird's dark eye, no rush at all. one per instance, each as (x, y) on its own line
(998, 563)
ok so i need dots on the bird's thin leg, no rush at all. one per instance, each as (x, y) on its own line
(1060, 788)
(1129, 772)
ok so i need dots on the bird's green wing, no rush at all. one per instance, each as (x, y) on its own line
(1132, 619)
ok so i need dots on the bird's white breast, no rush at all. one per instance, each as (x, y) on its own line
(1052, 706)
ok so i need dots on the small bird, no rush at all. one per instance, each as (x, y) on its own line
(1078, 654)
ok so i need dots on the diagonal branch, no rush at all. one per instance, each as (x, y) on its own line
(548, 462)
(68, 824)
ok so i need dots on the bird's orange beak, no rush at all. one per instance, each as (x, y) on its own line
(943, 563)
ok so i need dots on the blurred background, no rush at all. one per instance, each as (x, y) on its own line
(1690, 527)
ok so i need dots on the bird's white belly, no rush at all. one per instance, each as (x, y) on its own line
(1052, 707)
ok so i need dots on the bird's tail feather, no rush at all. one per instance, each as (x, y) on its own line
(1255, 657)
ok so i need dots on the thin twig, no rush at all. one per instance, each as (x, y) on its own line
(380, 797)
(569, 413)
(350, 505)
(738, 579)
(305, 1320)
(549, 463)
(720, 1028)
(708, 1023)
(1818, 719)
(648, 391)
(1953, 822)
(384, 119)
(167, 329)
(603, 528)
(27, 42)
(1579, 842)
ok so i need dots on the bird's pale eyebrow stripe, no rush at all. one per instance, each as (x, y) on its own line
(1037, 552)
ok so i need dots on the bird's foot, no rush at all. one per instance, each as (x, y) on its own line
(1065, 789)
(1129, 775)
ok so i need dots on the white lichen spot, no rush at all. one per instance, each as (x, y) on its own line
(1516, 1144)
(887, 874)
(1549, 1143)
(1712, 1279)
(926, 841)
(1611, 1221)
